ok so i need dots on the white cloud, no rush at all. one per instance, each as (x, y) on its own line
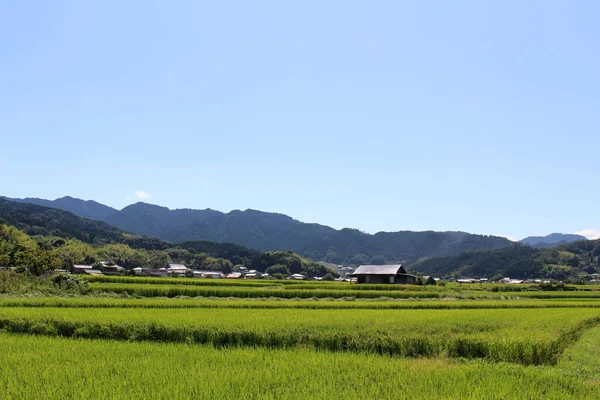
(591, 233)
(141, 195)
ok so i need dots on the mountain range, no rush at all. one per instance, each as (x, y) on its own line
(270, 231)
(552, 240)
(519, 260)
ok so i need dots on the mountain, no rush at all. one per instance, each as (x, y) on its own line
(34, 219)
(520, 261)
(552, 240)
(45, 223)
(270, 231)
(82, 208)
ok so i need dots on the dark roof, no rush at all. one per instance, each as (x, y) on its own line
(394, 269)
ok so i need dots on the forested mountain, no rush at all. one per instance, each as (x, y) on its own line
(67, 239)
(552, 240)
(269, 231)
(520, 261)
(39, 220)
(82, 208)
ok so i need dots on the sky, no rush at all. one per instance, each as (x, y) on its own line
(478, 116)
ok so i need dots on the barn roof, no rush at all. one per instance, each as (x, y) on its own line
(380, 270)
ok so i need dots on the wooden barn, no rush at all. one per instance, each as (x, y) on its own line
(383, 274)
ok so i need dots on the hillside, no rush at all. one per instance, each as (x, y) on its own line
(520, 261)
(552, 240)
(39, 220)
(270, 231)
(75, 239)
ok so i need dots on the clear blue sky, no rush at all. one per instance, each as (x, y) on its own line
(480, 116)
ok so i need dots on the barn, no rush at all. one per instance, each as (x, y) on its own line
(383, 274)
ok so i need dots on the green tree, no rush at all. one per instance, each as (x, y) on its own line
(278, 269)
(157, 259)
(328, 277)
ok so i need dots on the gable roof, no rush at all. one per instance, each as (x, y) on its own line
(177, 266)
(380, 270)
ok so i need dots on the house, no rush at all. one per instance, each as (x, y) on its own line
(253, 274)
(234, 275)
(176, 269)
(384, 274)
(109, 268)
(297, 277)
(92, 272)
(158, 273)
(510, 281)
(80, 269)
(208, 274)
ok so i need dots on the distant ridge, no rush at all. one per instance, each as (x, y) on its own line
(270, 231)
(552, 240)
(82, 208)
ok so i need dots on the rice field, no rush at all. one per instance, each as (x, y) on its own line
(519, 335)
(277, 303)
(307, 291)
(194, 338)
(102, 369)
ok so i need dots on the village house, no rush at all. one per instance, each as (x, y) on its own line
(92, 272)
(208, 274)
(384, 274)
(80, 269)
(176, 269)
(253, 274)
(109, 268)
(158, 273)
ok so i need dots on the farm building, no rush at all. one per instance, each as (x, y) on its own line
(80, 269)
(208, 274)
(92, 272)
(383, 274)
(176, 269)
(109, 268)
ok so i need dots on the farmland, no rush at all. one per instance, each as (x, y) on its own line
(284, 339)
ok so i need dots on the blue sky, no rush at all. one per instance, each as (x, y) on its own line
(479, 116)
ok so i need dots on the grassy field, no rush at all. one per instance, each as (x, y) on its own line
(99, 369)
(519, 335)
(194, 338)
(313, 291)
(276, 303)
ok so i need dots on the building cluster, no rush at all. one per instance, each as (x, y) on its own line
(174, 270)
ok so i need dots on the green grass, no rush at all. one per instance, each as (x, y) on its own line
(526, 336)
(581, 359)
(53, 368)
(316, 291)
(277, 303)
